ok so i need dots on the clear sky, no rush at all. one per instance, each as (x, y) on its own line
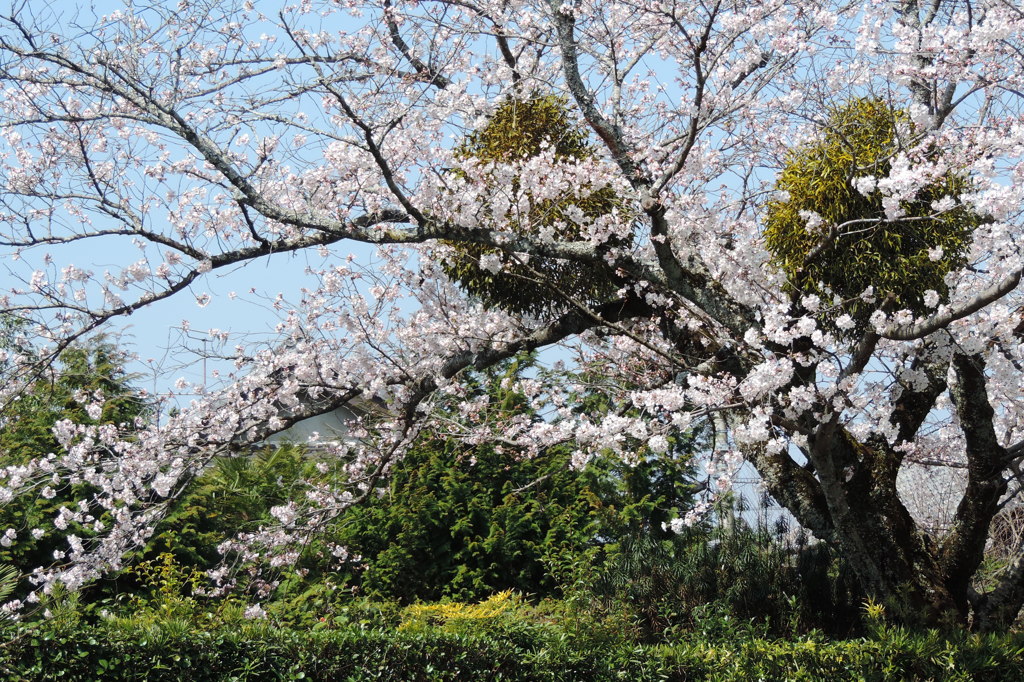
(240, 297)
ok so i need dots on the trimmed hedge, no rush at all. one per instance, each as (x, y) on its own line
(512, 649)
(895, 656)
(350, 653)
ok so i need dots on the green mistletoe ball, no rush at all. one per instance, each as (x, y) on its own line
(520, 129)
(832, 239)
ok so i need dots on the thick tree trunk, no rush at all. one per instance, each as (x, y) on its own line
(895, 562)
(846, 494)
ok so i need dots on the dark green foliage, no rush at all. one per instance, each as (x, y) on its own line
(638, 498)
(449, 526)
(96, 368)
(518, 130)
(741, 573)
(755, 575)
(9, 577)
(640, 493)
(234, 495)
(860, 139)
(94, 371)
(463, 521)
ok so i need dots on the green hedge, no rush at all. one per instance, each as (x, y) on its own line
(349, 653)
(895, 656)
(509, 650)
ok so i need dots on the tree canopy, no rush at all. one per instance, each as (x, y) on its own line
(212, 135)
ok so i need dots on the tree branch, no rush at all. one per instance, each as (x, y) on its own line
(940, 320)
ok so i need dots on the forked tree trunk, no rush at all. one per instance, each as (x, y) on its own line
(895, 563)
(847, 496)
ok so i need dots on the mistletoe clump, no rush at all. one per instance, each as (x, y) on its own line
(831, 234)
(518, 130)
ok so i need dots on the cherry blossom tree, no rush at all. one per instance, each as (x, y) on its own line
(212, 134)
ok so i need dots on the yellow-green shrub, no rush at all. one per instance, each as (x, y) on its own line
(452, 615)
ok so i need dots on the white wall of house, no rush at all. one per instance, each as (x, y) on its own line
(330, 426)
